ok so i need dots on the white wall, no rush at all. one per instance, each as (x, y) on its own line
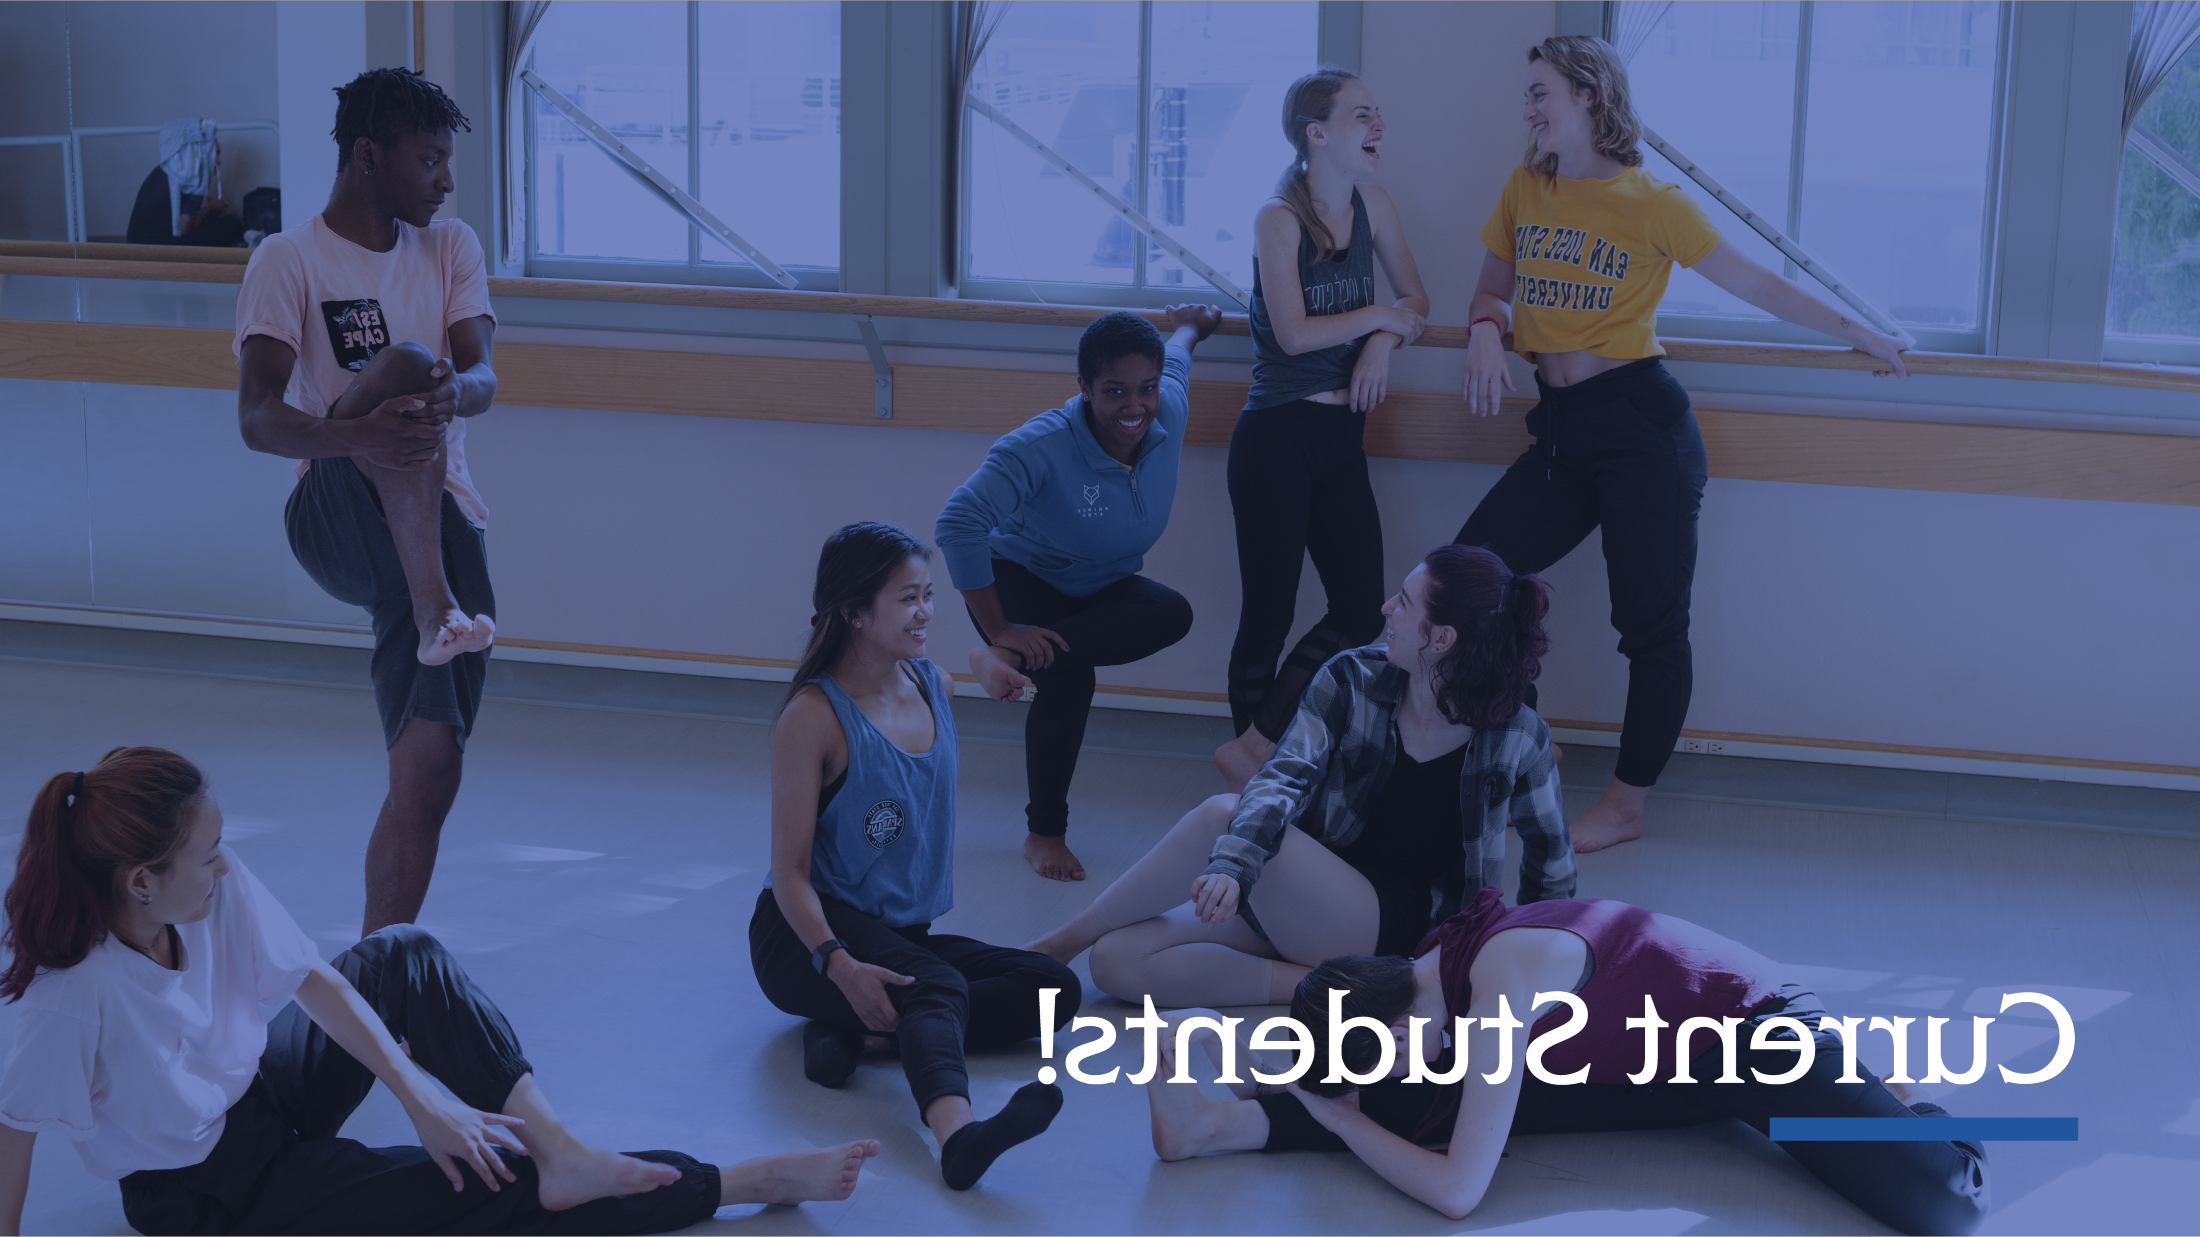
(319, 45)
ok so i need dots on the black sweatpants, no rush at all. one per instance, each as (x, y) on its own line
(1129, 620)
(1299, 489)
(1620, 450)
(339, 535)
(280, 1168)
(1913, 1187)
(969, 996)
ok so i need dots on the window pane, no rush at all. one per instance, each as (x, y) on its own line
(1895, 159)
(625, 64)
(770, 128)
(1688, 75)
(1219, 73)
(1066, 73)
(2155, 287)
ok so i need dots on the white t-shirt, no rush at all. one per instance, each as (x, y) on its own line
(337, 304)
(138, 1064)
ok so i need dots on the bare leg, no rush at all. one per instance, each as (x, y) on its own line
(826, 1175)
(1616, 818)
(1240, 758)
(412, 502)
(570, 1172)
(1186, 1123)
(1161, 879)
(425, 764)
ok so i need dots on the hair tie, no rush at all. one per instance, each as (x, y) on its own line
(813, 620)
(76, 792)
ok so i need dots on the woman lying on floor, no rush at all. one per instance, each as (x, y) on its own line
(145, 953)
(1612, 956)
(863, 860)
(1383, 806)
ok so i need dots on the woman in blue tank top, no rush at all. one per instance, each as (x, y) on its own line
(863, 842)
(1297, 472)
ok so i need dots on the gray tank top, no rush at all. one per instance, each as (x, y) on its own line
(1344, 283)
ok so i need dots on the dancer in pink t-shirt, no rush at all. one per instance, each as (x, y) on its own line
(373, 319)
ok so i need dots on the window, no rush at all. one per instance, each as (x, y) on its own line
(738, 104)
(1868, 129)
(1174, 107)
(2154, 287)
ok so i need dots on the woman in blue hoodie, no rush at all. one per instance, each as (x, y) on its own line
(1045, 541)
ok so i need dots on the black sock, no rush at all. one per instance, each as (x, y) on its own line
(973, 1148)
(829, 1054)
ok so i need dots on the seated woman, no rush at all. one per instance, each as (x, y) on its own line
(180, 202)
(863, 860)
(1384, 803)
(1046, 540)
(145, 953)
(1612, 956)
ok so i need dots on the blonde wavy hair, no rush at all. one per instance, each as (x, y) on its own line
(1592, 65)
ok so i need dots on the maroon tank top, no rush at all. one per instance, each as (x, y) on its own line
(1690, 971)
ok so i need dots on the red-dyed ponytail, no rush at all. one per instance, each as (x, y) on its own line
(129, 810)
(1499, 616)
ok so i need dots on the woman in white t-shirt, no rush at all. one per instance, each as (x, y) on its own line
(144, 955)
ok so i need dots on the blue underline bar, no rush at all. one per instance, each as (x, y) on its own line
(1929, 1129)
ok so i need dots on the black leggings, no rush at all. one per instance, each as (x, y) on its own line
(1129, 620)
(1913, 1187)
(969, 996)
(1299, 488)
(280, 1168)
(1620, 450)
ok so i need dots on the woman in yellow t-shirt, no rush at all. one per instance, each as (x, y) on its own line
(1580, 246)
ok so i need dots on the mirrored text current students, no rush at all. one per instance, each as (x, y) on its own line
(1580, 245)
(1298, 473)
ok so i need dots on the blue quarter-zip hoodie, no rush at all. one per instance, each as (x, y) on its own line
(1049, 499)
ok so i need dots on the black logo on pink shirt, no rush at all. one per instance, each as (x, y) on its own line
(356, 330)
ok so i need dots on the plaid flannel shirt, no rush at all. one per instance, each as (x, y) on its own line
(1332, 762)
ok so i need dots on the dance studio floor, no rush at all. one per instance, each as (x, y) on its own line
(598, 875)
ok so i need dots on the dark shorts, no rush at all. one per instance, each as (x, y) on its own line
(338, 533)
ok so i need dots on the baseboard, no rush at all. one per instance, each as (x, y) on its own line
(1140, 699)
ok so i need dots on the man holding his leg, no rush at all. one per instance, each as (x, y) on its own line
(373, 319)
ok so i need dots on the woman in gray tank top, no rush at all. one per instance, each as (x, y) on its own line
(863, 841)
(1298, 473)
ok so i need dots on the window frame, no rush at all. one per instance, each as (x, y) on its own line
(1978, 339)
(698, 269)
(1336, 42)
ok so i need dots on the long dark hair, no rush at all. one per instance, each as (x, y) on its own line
(1310, 100)
(130, 809)
(855, 564)
(1484, 679)
(1378, 988)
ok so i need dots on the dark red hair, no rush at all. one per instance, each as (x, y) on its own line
(129, 810)
(1484, 679)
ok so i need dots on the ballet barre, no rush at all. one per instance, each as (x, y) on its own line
(58, 259)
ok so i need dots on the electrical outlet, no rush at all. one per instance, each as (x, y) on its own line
(1691, 745)
(1714, 747)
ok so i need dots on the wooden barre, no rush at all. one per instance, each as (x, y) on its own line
(51, 259)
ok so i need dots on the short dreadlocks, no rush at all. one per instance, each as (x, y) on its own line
(383, 105)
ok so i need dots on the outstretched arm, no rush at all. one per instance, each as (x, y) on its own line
(1735, 272)
(15, 1176)
(450, 1131)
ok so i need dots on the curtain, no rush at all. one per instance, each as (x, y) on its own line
(1631, 22)
(2162, 31)
(522, 18)
(975, 21)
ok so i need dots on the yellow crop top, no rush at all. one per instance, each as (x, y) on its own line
(1591, 257)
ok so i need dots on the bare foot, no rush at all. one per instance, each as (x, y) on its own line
(443, 635)
(1606, 824)
(1240, 758)
(998, 675)
(586, 1174)
(1182, 1122)
(1050, 857)
(1071, 939)
(483, 635)
(797, 1176)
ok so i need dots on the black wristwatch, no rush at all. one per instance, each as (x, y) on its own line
(824, 951)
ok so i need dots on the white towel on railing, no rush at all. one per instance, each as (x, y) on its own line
(187, 156)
